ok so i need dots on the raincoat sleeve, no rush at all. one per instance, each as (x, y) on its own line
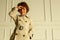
(31, 30)
(13, 13)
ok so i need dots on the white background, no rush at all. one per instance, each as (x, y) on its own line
(45, 15)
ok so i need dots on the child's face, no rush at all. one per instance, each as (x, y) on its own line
(22, 10)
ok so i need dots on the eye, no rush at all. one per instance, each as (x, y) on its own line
(23, 9)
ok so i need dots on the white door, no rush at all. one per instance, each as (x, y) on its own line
(45, 15)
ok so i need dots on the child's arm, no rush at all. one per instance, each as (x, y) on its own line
(13, 13)
(30, 30)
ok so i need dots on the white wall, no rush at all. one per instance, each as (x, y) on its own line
(45, 15)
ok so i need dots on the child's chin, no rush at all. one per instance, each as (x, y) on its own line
(23, 14)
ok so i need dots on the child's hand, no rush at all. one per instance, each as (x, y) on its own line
(19, 7)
